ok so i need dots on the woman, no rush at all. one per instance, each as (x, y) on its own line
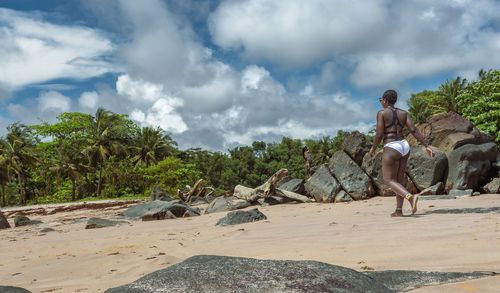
(390, 123)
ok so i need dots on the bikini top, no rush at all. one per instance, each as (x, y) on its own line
(395, 122)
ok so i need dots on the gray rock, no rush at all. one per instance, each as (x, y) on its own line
(20, 220)
(220, 204)
(4, 224)
(493, 186)
(476, 193)
(459, 192)
(293, 185)
(272, 200)
(11, 289)
(342, 196)
(45, 230)
(350, 176)
(322, 185)
(197, 200)
(435, 189)
(209, 273)
(356, 145)
(241, 204)
(157, 210)
(402, 281)
(425, 171)
(469, 165)
(240, 217)
(158, 193)
(93, 223)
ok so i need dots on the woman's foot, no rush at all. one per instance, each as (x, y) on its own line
(397, 213)
(413, 199)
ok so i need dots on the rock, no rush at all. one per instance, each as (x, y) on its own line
(197, 200)
(210, 273)
(46, 230)
(93, 223)
(435, 189)
(20, 220)
(493, 186)
(373, 167)
(476, 193)
(220, 204)
(469, 165)
(436, 132)
(293, 185)
(4, 224)
(350, 176)
(159, 210)
(425, 171)
(11, 289)
(342, 196)
(356, 145)
(460, 192)
(240, 204)
(322, 185)
(272, 200)
(240, 217)
(158, 193)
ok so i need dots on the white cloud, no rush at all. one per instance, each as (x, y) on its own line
(384, 42)
(34, 50)
(89, 100)
(54, 101)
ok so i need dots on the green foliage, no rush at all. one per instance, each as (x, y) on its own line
(419, 106)
(480, 103)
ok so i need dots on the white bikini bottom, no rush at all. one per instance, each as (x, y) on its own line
(401, 146)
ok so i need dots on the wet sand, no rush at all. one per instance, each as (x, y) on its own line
(360, 235)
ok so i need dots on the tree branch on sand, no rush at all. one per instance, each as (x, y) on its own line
(268, 189)
(190, 191)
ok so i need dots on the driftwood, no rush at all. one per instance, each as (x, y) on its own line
(310, 169)
(190, 191)
(268, 189)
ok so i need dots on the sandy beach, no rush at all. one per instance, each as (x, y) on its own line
(359, 235)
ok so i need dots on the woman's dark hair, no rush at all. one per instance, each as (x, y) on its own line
(391, 96)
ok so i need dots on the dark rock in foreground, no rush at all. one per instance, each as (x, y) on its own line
(94, 223)
(240, 217)
(401, 281)
(4, 224)
(20, 220)
(210, 273)
(10, 289)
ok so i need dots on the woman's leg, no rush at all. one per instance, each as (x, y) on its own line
(401, 179)
(390, 170)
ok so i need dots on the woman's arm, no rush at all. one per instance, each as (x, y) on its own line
(379, 134)
(416, 133)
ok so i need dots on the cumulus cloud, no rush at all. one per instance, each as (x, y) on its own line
(53, 101)
(384, 42)
(34, 50)
(89, 100)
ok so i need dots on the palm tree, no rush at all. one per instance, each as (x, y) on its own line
(447, 93)
(106, 136)
(151, 145)
(418, 106)
(66, 164)
(4, 175)
(19, 153)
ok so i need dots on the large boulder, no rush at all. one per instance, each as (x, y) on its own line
(493, 186)
(11, 289)
(4, 224)
(158, 193)
(293, 185)
(210, 273)
(425, 171)
(240, 217)
(469, 165)
(159, 210)
(322, 185)
(373, 167)
(356, 145)
(20, 220)
(435, 189)
(220, 204)
(342, 196)
(350, 176)
(449, 131)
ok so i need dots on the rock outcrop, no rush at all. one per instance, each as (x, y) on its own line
(425, 171)
(4, 224)
(220, 204)
(351, 177)
(356, 145)
(159, 210)
(240, 217)
(93, 223)
(20, 220)
(322, 186)
(293, 185)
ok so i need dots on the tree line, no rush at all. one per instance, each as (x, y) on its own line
(106, 155)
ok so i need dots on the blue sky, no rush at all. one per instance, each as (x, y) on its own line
(217, 74)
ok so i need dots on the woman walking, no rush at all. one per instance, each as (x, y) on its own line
(390, 124)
